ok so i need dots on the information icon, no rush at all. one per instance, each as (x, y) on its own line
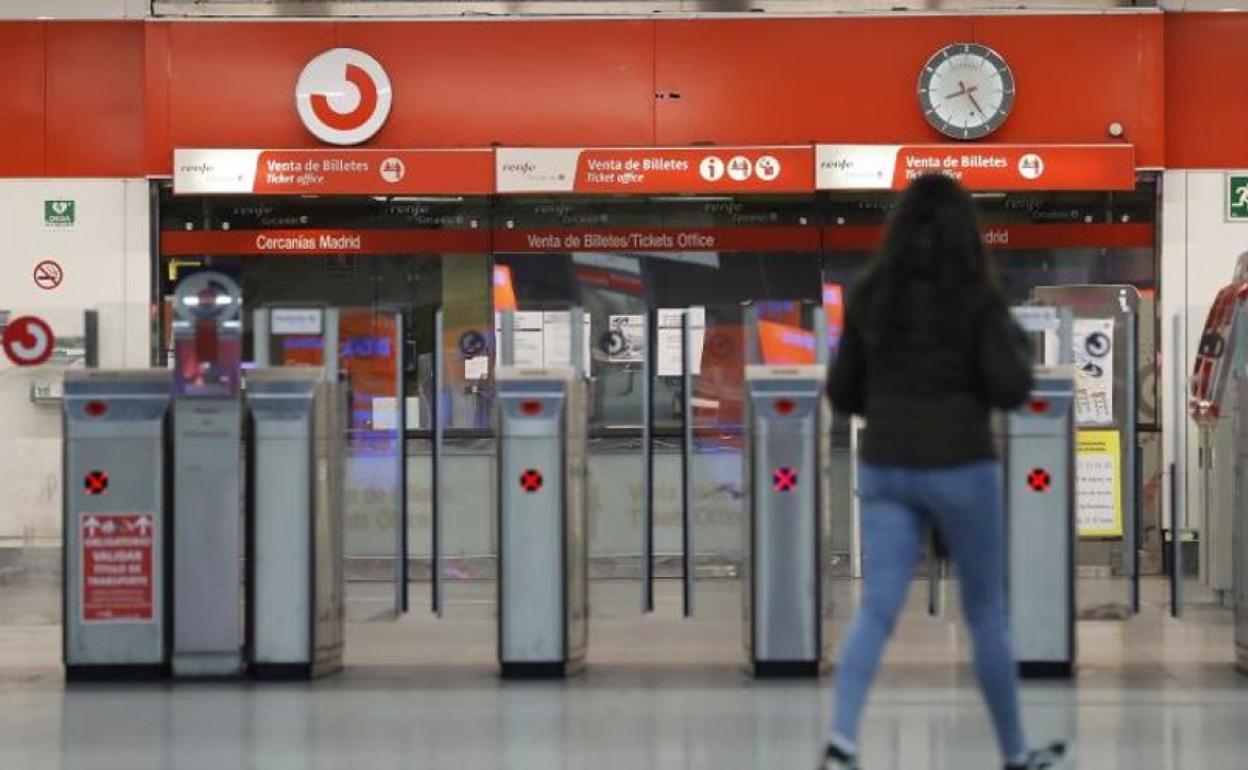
(711, 168)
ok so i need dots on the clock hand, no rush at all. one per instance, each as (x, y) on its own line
(971, 96)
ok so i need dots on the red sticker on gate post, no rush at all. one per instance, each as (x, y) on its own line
(117, 567)
(28, 341)
(48, 275)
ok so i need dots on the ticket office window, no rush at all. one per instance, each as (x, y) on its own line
(765, 252)
(1037, 239)
(425, 255)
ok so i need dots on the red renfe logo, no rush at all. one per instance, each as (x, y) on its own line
(343, 96)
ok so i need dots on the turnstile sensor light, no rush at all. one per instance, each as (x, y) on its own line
(784, 479)
(531, 480)
(95, 482)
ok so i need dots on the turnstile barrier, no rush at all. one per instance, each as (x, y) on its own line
(208, 478)
(296, 536)
(1041, 531)
(116, 524)
(543, 600)
(787, 542)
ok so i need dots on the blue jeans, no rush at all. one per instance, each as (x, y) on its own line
(964, 503)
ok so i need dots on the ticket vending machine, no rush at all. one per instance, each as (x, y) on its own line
(787, 543)
(207, 478)
(1041, 527)
(543, 598)
(116, 524)
(295, 557)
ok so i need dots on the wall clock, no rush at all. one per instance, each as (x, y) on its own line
(966, 91)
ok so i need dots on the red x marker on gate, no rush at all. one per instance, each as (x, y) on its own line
(784, 479)
(531, 480)
(95, 482)
(1039, 480)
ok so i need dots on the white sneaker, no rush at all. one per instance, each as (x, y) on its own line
(1041, 759)
(835, 759)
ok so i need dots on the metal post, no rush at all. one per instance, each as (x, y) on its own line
(91, 335)
(753, 347)
(819, 317)
(1178, 477)
(647, 464)
(686, 480)
(437, 601)
(507, 345)
(576, 339)
(1133, 512)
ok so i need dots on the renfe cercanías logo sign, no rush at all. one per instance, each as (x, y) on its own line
(343, 96)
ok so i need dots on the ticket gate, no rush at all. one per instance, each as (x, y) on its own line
(116, 524)
(207, 478)
(543, 598)
(787, 543)
(1040, 525)
(295, 558)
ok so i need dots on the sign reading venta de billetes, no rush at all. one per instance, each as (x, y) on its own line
(334, 172)
(978, 167)
(655, 169)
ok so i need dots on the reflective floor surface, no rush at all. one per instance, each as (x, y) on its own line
(660, 692)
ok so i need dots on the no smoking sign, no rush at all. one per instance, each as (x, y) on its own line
(48, 275)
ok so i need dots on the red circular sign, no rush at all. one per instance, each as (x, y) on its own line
(28, 341)
(48, 275)
(343, 97)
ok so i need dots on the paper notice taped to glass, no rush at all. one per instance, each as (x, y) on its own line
(541, 338)
(1092, 347)
(670, 350)
(625, 342)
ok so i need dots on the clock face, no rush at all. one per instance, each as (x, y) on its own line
(966, 91)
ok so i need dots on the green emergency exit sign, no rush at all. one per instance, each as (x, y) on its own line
(59, 213)
(1237, 197)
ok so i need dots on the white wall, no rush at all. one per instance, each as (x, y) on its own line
(1199, 251)
(106, 261)
(74, 9)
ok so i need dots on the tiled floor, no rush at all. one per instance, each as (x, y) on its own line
(660, 692)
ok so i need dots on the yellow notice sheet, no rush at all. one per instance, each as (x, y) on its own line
(1098, 484)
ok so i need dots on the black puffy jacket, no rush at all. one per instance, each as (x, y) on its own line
(927, 396)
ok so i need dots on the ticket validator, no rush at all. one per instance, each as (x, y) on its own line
(543, 594)
(208, 481)
(1040, 523)
(295, 538)
(787, 542)
(116, 524)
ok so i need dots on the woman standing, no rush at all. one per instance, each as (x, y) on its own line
(929, 349)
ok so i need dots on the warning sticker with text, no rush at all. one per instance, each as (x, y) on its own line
(117, 567)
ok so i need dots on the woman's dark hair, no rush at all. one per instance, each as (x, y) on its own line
(931, 271)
